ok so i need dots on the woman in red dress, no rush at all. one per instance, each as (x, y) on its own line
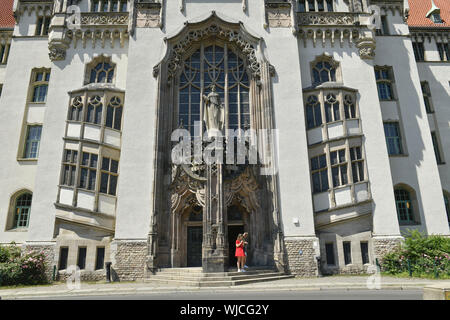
(240, 253)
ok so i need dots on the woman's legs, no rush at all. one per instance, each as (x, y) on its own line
(238, 263)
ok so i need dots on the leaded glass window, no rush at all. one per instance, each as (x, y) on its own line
(393, 138)
(404, 205)
(220, 66)
(332, 112)
(319, 173)
(114, 114)
(313, 112)
(22, 210)
(103, 72)
(33, 141)
(94, 110)
(323, 71)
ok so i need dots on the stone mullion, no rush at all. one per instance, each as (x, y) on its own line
(80, 148)
(350, 171)
(330, 175)
(202, 86)
(226, 89)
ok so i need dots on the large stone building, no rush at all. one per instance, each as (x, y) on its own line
(354, 96)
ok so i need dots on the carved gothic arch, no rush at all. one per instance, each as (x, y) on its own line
(167, 204)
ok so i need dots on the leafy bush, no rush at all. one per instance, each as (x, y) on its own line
(16, 268)
(423, 255)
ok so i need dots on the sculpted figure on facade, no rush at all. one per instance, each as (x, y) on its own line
(213, 113)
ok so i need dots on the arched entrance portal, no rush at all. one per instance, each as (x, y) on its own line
(213, 53)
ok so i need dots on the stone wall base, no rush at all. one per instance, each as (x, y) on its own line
(128, 259)
(383, 245)
(49, 250)
(301, 256)
(99, 275)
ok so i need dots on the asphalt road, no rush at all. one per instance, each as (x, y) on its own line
(264, 295)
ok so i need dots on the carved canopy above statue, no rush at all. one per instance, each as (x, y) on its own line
(213, 26)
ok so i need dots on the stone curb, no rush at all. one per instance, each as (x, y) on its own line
(153, 290)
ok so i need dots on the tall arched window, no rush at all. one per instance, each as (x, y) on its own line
(22, 210)
(404, 206)
(220, 66)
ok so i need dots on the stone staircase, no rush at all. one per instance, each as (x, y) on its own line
(194, 277)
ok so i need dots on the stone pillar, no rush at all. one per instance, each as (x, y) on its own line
(215, 243)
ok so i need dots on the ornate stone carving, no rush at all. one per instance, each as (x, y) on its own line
(327, 18)
(107, 18)
(279, 15)
(148, 16)
(57, 53)
(214, 26)
(366, 47)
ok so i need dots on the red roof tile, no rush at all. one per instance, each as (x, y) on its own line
(418, 10)
(6, 14)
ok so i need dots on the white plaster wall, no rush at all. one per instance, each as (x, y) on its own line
(65, 76)
(418, 169)
(437, 76)
(359, 74)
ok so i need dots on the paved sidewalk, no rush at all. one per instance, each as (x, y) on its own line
(139, 287)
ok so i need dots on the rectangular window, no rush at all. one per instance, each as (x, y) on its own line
(100, 258)
(339, 168)
(39, 84)
(301, 6)
(384, 80)
(437, 150)
(95, 6)
(42, 26)
(81, 261)
(357, 164)
(69, 167)
(311, 5)
(384, 30)
(88, 171)
(63, 254)
(32, 142)
(319, 173)
(4, 53)
(419, 51)
(105, 6)
(393, 138)
(365, 252)
(347, 252)
(329, 252)
(444, 54)
(426, 96)
(109, 174)
(123, 6)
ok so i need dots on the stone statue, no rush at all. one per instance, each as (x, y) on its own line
(213, 112)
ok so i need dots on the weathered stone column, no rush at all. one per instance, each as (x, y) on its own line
(215, 243)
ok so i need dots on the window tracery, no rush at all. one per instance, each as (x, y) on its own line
(219, 66)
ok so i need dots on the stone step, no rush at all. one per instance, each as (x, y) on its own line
(209, 278)
(214, 274)
(220, 283)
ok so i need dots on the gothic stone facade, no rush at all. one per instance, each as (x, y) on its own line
(92, 91)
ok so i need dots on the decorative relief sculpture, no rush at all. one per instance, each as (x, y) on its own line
(279, 16)
(148, 17)
(327, 18)
(104, 19)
